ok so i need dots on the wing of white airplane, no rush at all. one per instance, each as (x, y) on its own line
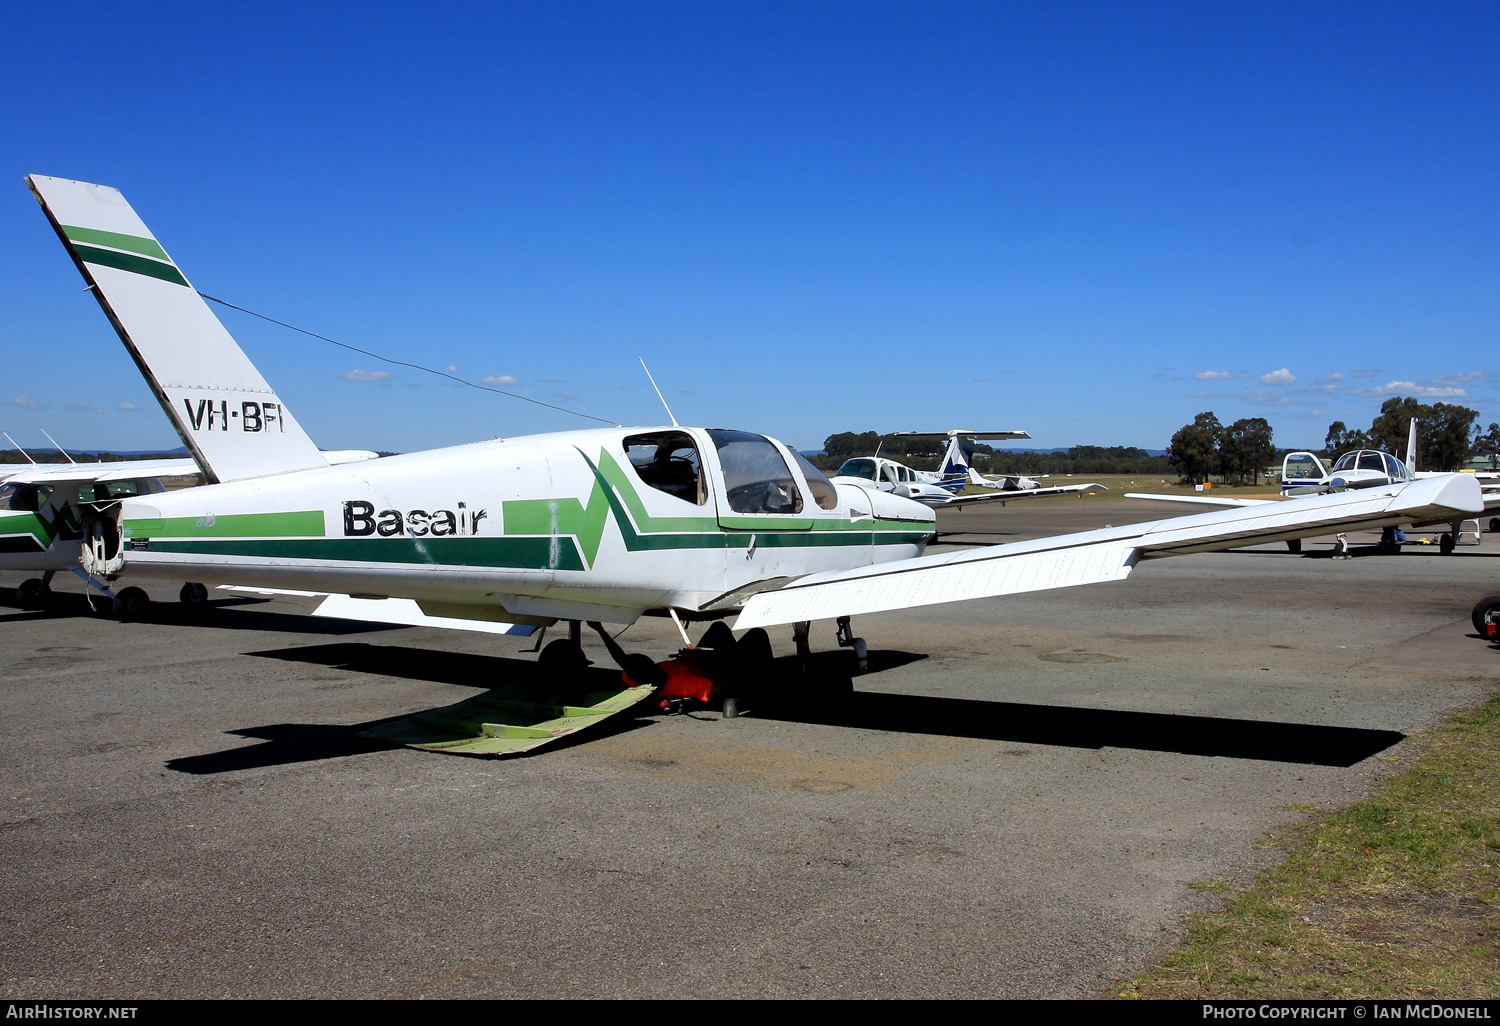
(124, 470)
(1201, 500)
(1092, 557)
(235, 426)
(1024, 493)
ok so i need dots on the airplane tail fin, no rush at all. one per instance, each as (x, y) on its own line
(976, 478)
(1411, 447)
(956, 459)
(235, 426)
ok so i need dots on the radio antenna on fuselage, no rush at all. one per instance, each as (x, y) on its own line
(57, 447)
(658, 392)
(20, 450)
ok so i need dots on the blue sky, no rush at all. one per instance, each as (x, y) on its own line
(1091, 221)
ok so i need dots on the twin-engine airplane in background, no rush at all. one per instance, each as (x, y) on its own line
(604, 524)
(939, 489)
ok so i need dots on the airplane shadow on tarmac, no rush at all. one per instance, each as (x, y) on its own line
(221, 614)
(310, 742)
(1060, 726)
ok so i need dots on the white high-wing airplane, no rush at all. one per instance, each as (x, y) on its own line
(43, 507)
(606, 524)
(42, 510)
(939, 489)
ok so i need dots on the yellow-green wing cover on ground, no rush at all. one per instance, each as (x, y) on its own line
(507, 720)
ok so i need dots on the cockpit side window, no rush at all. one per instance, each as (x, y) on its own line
(887, 473)
(1346, 461)
(756, 478)
(24, 498)
(1371, 461)
(864, 468)
(669, 462)
(823, 491)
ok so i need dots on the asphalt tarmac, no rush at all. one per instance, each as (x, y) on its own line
(1011, 805)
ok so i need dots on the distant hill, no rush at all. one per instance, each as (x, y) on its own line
(92, 455)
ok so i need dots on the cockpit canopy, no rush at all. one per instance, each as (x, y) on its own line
(1371, 459)
(861, 467)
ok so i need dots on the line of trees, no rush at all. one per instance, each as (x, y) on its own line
(1443, 434)
(1240, 452)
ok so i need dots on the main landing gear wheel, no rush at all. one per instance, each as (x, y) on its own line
(1486, 610)
(1448, 543)
(847, 639)
(34, 593)
(1494, 525)
(1294, 544)
(131, 604)
(194, 597)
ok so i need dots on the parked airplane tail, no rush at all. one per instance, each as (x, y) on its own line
(235, 426)
(1411, 447)
(956, 460)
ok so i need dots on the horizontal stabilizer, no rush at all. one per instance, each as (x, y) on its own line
(1092, 557)
(235, 426)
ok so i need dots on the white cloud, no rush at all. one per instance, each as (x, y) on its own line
(1278, 377)
(1458, 379)
(1213, 375)
(1335, 376)
(25, 402)
(127, 407)
(1416, 391)
(499, 379)
(452, 369)
(364, 375)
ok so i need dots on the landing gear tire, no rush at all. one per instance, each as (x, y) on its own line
(131, 604)
(1294, 544)
(1447, 544)
(1485, 609)
(1494, 525)
(194, 598)
(34, 593)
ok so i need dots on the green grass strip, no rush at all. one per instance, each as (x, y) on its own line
(1394, 897)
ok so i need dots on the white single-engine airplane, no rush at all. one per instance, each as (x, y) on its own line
(939, 488)
(609, 524)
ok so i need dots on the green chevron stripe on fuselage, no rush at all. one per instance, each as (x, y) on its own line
(30, 532)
